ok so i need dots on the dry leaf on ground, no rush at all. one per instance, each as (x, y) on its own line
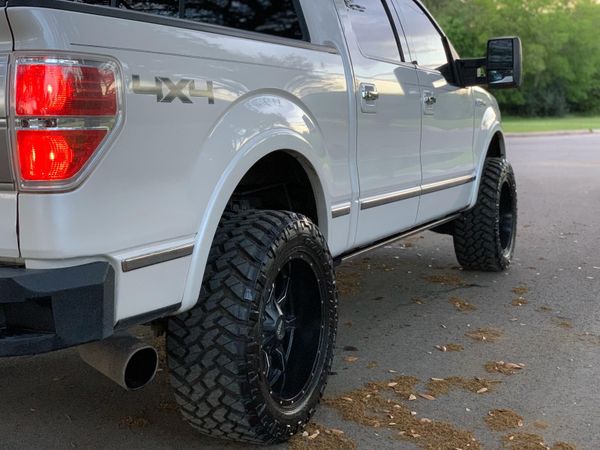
(484, 334)
(521, 290)
(503, 420)
(318, 437)
(519, 301)
(461, 304)
(502, 367)
(450, 348)
(446, 279)
(368, 407)
(134, 422)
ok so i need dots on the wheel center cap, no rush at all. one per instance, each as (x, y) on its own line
(280, 329)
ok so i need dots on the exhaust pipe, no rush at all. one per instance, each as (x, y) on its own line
(124, 359)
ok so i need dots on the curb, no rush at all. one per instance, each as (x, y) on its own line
(553, 133)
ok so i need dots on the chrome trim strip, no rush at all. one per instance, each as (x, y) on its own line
(446, 184)
(139, 262)
(341, 210)
(7, 187)
(392, 197)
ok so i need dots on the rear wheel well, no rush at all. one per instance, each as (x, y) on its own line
(279, 181)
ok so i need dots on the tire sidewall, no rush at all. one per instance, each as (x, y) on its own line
(506, 177)
(293, 242)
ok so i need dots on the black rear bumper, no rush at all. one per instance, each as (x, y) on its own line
(45, 310)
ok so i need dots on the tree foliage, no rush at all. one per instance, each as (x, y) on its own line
(561, 48)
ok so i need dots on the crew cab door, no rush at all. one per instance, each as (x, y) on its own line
(388, 113)
(447, 132)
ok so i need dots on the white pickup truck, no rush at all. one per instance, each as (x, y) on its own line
(202, 165)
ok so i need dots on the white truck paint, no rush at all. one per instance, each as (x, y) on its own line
(168, 173)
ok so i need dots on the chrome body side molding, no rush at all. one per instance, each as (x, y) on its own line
(151, 259)
(392, 197)
(341, 210)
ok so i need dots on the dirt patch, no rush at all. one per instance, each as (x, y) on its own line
(368, 407)
(446, 280)
(134, 422)
(519, 302)
(441, 386)
(418, 301)
(372, 365)
(348, 282)
(450, 348)
(318, 437)
(544, 309)
(503, 420)
(485, 334)
(503, 367)
(461, 304)
(520, 290)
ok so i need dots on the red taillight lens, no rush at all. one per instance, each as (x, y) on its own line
(55, 155)
(54, 90)
(64, 109)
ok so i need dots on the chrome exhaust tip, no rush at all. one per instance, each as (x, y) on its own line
(127, 361)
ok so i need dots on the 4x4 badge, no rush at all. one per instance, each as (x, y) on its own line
(183, 89)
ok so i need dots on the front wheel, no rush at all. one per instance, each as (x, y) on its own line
(484, 237)
(250, 361)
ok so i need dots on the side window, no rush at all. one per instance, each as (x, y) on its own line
(373, 29)
(424, 40)
(276, 17)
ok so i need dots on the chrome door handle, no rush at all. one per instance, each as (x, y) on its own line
(430, 100)
(369, 92)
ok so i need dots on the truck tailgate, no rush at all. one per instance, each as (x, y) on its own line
(9, 247)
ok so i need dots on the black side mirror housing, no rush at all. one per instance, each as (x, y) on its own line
(501, 69)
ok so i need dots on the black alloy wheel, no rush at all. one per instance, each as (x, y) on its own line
(250, 361)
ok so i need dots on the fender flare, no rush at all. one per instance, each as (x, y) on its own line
(290, 129)
(490, 134)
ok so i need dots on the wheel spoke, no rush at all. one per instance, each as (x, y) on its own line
(283, 295)
(290, 323)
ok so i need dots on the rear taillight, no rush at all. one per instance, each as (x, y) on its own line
(64, 110)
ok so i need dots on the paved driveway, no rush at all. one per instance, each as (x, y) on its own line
(398, 304)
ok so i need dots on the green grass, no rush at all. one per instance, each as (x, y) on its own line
(539, 124)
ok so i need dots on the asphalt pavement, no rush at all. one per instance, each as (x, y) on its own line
(400, 306)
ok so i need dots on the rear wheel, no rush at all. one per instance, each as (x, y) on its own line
(484, 237)
(250, 361)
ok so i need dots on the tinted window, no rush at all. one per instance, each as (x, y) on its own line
(373, 30)
(277, 17)
(424, 40)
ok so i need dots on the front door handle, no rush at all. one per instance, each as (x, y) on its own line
(369, 92)
(430, 99)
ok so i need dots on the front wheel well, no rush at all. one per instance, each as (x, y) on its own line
(278, 181)
(496, 148)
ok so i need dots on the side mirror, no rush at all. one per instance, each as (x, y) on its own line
(501, 69)
(503, 65)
